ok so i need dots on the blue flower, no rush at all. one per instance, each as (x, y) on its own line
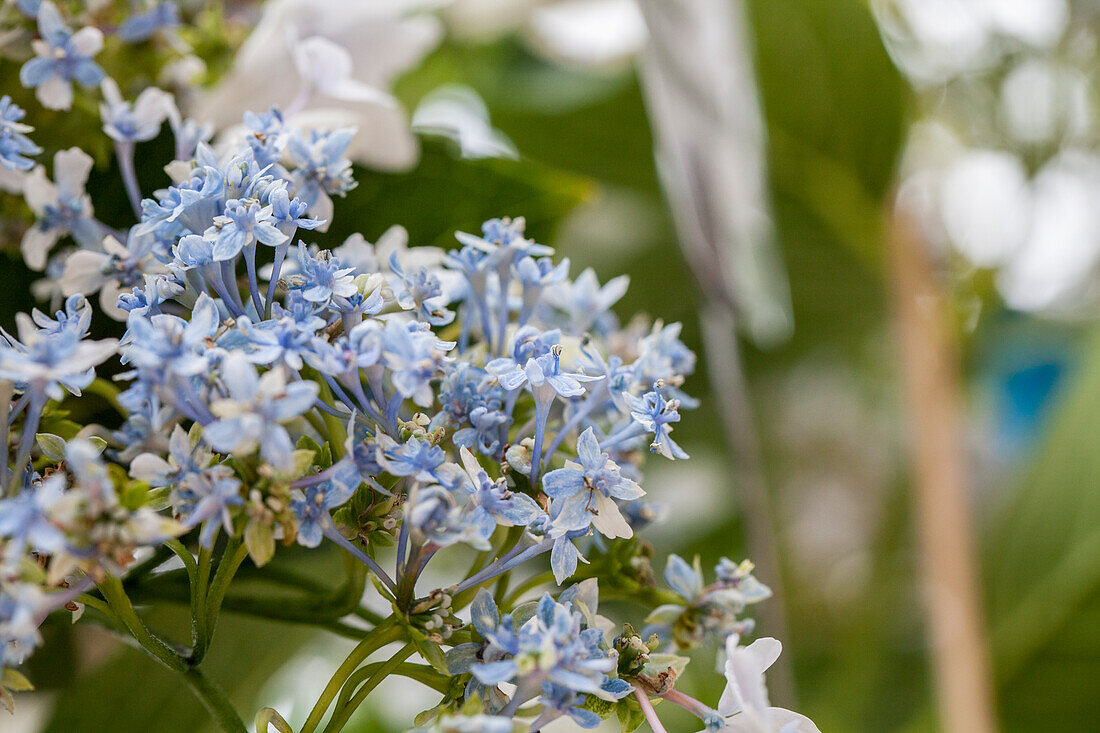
(422, 293)
(436, 518)
(301, 311)
(141, 26)
(708, 614)
(663, 356)
(206, 498)
(322, 170)
(289, 214)
(564, 701)
(26, 522)
(252, 413)
(61, 58)
(23, 606)
(584, 304)
(555, 645)
(62, 208)
(528, 343)
(321, 278)
(506, 507)
(504, 242)
(583, 492)
(14, 144)
(656, 415)
(535, 275)
(170, 344)
(312, 507)
(244, 222)
(279, 340)
(42, 361)
(484, 433)
(416, 458)
(138, 122)
(267, 135)
(413, 357)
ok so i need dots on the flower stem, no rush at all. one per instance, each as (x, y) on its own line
(649, 712)
(211, 696)
(383, 634)
(341, 714)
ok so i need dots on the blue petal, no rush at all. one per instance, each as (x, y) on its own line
(483, 613)
(492, 673)
(682, 578)
(562, 482)
(563, 560)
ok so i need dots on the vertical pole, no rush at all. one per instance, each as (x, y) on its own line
(929, 374)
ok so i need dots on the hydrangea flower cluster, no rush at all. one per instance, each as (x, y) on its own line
(391, 403)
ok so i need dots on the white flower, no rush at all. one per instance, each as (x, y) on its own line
(61, 205)
(744, 702)
(368, 42)
(458, 113)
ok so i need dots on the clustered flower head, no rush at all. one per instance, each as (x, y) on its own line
(272, 391)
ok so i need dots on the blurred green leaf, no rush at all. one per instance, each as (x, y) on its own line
(1043, 572)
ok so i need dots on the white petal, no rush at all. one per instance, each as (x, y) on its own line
(83, 273)
(70, 171)
(55, 93)
(608, 520)
(38, 190)
(36, 244)
(88, 41)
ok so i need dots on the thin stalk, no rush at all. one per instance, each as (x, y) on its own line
(198, 605)
(383, 634)
(124, 152)
(280, 254)
(735, 409)
(930, 375)
(649, 712)
(234, 555)
(211, 696)
(341, 714)
(26, 441)
(253, 283)
(6, 389)
(333, 534)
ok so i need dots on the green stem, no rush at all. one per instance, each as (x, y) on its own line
(341, 715)
(185, 556)
(198, 605)
(383, 634)
(234, 555)
(211, 696)
(123, 610)
(215, 701)
(422, 673)
(533, 582)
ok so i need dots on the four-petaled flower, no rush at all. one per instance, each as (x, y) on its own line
(584, 492)
(61, 58)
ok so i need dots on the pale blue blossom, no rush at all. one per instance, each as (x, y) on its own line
(61, 57)
(583, 492)
(252, 414)
(15, 146)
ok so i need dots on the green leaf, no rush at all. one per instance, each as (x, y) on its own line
(630, 715)
(259, 539)
(53, 447)
(1042, 567)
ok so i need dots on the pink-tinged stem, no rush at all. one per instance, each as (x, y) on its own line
(689, 703)
(649, 712)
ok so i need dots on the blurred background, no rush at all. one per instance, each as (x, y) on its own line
(879, 223)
